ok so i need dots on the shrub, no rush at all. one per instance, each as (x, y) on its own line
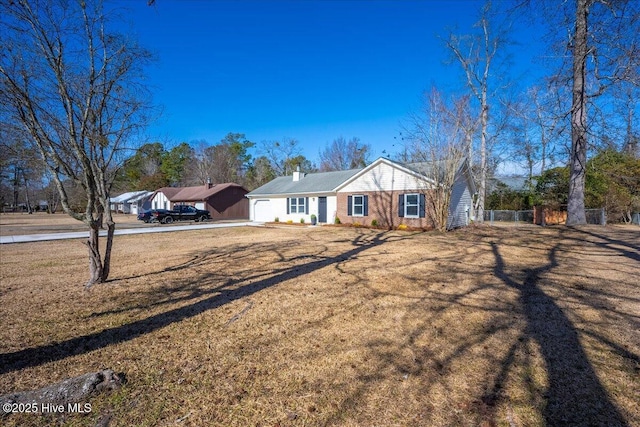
(374, 222)
(277, 219)
(356, 224)
(403, 227)
(301, 220)
(337, 221)
(289, 221)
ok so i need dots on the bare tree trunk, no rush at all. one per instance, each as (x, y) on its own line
(578, 160)
(469, 145)
(483, 158)
(16, 183)
(106, 265)
(26, 193)
(95, 260)
(543, 165)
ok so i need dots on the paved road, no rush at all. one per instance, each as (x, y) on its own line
(84, 234)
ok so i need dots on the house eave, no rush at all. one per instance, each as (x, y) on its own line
(306, 194)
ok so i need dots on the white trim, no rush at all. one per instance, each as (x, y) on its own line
(298, 205)
(353, 204)
(310, 194)
(417, 205)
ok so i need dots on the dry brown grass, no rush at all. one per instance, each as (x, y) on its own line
(334, 326)
(12, 224)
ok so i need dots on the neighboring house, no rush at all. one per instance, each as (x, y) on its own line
(386, 191)
(393, 193)
(223, 201)
(131, 203)
(298, 197)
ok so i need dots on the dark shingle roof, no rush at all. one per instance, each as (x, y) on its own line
(194, 194)
(320, 182)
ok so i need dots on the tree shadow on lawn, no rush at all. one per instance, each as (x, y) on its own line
(528, 319)
(575, 395)
(624, 242)
(204, 265)
(224, 294)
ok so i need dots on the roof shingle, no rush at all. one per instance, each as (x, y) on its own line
(194, 194)
(320, 182)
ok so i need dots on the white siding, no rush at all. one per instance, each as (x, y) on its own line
(267, 209)
(384, 177)
(461, 203)
(332, 209)
(160, 201)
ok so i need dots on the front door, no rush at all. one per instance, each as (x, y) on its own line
(322, 209)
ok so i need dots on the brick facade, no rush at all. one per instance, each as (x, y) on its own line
(383, 207)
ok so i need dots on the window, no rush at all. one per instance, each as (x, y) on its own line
(411, 205)
(357, 205)
(298, 205)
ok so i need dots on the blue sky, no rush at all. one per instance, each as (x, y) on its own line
(309, 70)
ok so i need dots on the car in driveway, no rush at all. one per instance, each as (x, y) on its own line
(178, 213)
(183, 213)
(151, 215)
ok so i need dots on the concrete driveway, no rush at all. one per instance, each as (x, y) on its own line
(152, 229)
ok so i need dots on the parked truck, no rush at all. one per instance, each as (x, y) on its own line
(178, 213)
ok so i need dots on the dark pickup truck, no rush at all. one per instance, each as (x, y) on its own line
(178, 213)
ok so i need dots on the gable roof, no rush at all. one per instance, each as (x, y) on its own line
(130, 197)
(329, 182)
(377, 162)
(194, 194)
(320, 182)
(421, 170)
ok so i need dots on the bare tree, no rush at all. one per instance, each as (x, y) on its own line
(437, 135)
(627, 107)
(604, 48)
(227, 161)
(343, 155)
(546, 119)
(285, 156)
(73, 88)
(601, 39)
(534, 124)
(22, 167)
(525, 149)
(476, 55)
(203, 164)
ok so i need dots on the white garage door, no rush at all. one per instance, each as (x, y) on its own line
(263, 211)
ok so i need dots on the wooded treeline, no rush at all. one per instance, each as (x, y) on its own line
(25, 183)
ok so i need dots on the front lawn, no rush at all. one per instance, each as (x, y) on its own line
(327, 326)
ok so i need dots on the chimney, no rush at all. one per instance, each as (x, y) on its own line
(297, 175)
(208, 185)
